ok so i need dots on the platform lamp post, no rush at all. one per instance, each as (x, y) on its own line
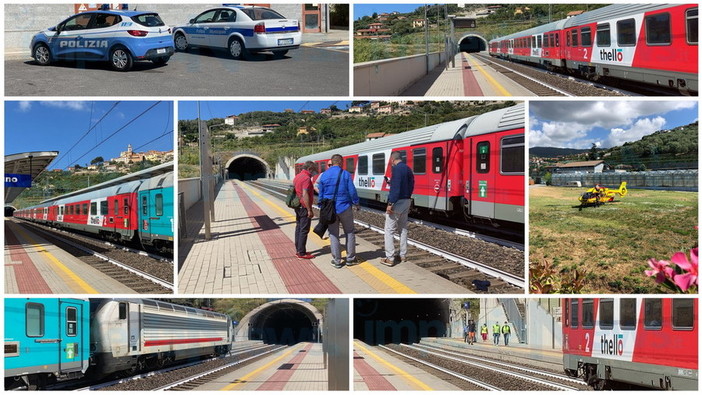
(205, 171)
(452, 41)
(426, 37)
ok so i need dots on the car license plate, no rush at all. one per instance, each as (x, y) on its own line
(161, 50)
(285, 41)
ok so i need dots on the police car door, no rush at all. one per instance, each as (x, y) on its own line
(103, 29)
(221, 27)
(199, 30)
(69, 40)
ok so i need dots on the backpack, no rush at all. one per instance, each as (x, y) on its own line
(291, 198)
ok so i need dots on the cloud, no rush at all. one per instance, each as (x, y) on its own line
(68, 105)
(557, 134)
(24, 106)
(639, 129)
(605, 114)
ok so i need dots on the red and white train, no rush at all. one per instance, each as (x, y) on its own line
(615, 343)
(471, 167)
(649, 43)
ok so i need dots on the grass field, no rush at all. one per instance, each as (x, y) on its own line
(610, 243)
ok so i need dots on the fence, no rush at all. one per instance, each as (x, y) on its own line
(677, 180)
(514, 315)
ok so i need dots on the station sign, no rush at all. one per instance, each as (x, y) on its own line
(18, 180)
(464, 23)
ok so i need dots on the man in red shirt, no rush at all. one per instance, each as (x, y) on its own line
(304, 214)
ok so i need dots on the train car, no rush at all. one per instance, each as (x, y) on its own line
(620, 343)
(471, 167)
(139, 334)
(654, 44)
(46, 340)
(136, 207)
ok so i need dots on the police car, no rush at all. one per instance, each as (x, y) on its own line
(241, 30)
(120, 37)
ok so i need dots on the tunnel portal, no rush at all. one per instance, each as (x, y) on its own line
(9, 211)
(383, 321)
(472, 43)
(282, 322)
(246, 167)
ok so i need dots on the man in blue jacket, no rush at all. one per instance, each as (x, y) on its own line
(346, 196)
(399, 201)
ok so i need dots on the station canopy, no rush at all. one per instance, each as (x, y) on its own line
(30, 164)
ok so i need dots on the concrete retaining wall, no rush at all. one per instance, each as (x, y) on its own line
(190, 188)
(390, 77)
(543, 330)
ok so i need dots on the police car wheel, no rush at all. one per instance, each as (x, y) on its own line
(280, 54)
(237, 49)
(181, 43)
(121, 59)
(42, 54)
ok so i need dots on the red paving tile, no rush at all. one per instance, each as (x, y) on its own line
(470, 84)
(374, 380)
(300, 276)
(29, 280)
(278, 380)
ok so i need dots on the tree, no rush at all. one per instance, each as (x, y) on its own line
(97, 161)
(592, 155)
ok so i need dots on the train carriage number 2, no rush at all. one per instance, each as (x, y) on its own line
(587, 342)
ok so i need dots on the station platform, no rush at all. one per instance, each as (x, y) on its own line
(252, 252)
(378, 370)
(298, 368)
(467, 76)
(35, 266)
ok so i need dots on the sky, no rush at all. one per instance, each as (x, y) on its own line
(219, 109)
(361, 10)
(607, 124)
(59, 125)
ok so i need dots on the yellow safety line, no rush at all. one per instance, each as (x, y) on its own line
(491, 80)
(365, 271)
(256, 372)
(417, 383)
(83, 286)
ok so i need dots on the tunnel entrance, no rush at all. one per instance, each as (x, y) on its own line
(383, 321)
(9, 211)
(472, 43)
(246, 167)
(282, 322)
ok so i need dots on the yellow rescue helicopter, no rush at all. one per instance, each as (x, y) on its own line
(599, 195)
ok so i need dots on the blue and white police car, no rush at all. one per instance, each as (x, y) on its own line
(241, 30)
(120, 37)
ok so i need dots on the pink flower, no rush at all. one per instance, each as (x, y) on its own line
(659, 269)
(686, 280)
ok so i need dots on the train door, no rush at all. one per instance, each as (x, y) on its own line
(481, 193)
(72, 332)
(158, 215)
(59, 217)
(438, 176)
(145, 217)
(130, 313)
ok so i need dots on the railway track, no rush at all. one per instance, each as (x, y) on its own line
(144, 273)
(535, 85)
(487, 376)
(450, 265)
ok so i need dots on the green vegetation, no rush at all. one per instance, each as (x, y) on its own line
(237, 308)
(609, 245)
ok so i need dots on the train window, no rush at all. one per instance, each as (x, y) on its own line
(603, 37)
(144, 205)
(84, 211)
(658, 29)
(586, 37)
(512, 155)
(103, 207)
(555, 36)
(567, 39)
(322, 166)
(606, 313)
(483, 158)
(379, 164)
(35, 319)
(419, 160)
(71, 321)
(61, 210)
(588, 313)
(122, 311)
(437, 160)
(683, 314)
(533, 41)
(692, 26)
(158, 201)
(574, 37)
(116, 208)
(539, 41)
(574, 313)
(126, 206)
(653, 313)
(626, 32)
(93, 208)
(627, 313)
(350, 165)
(363, 165)
(566, 313)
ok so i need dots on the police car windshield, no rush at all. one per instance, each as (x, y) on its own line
(257, 14)
(148, 20)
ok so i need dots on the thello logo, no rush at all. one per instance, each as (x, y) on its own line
(613, 346)
(612, 55)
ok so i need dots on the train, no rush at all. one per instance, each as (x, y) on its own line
(472, 168)
(653, 44)
(631, 343)
(48, 340)
(137, 207)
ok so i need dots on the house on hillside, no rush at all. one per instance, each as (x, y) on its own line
(590, 166)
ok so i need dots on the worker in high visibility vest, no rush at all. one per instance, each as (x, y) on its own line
(496, 333)
(506, 331)
(484, 332)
